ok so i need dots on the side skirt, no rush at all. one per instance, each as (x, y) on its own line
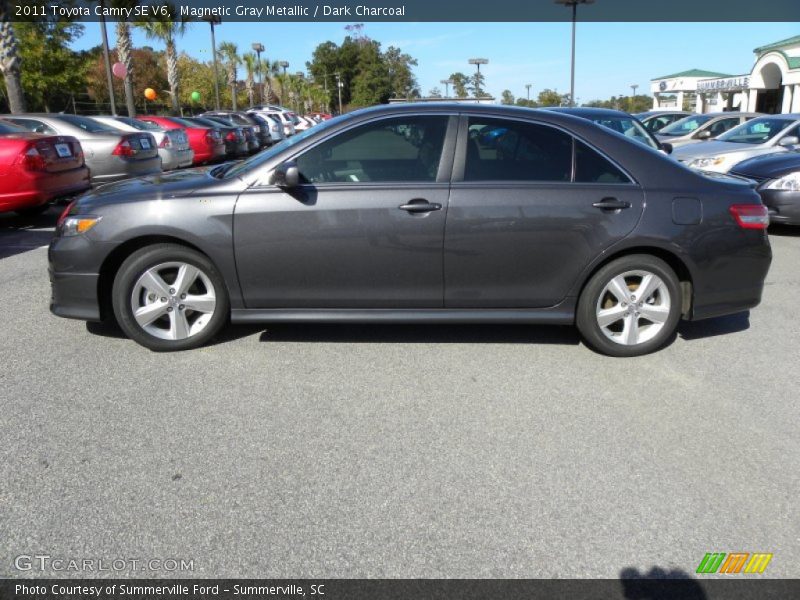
(564, 314)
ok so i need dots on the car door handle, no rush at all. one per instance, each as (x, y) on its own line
(611, 204)
(420, 206)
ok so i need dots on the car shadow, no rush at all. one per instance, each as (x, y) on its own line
(696, 330)
(20, 234)
(231, 333)
(660, 584)
(784, 230)
(366, 333)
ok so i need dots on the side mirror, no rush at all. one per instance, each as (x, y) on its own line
(703, 135)
(789, 140)
(286, 175)
(666, 147)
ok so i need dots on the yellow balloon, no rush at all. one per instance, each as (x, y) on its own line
(150, 94)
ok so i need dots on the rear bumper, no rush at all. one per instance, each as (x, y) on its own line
(175, 159)
(783, 205)
(74, 296)
(734, 282)
(38, 189)
(114, 170)
(205, 155)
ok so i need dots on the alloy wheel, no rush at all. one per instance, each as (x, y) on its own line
(633, 307)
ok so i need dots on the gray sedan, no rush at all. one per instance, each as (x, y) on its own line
(173, 144)
(419, 214)
(699, 128)
(110, 154)
(764, 135)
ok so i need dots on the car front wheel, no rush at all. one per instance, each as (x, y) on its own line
(168, 297)
(630, 307)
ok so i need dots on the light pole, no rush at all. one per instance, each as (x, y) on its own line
(446, 83)
(258, 48)
(339, 85)
(107, 59)
(478, 62)
(214, 20)
(284, 64)
(574, 5)
(633, 96)
(528, 88)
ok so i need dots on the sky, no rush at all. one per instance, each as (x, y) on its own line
(611, 57)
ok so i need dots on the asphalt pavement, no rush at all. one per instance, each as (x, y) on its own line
(395, 451)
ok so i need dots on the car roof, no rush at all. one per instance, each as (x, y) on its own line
(589, 111)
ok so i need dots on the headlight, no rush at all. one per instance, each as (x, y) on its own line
(712, 161)
(76, 225)
(790, 182)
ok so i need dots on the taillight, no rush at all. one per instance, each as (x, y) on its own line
(124, 148)
(750, 216)
(211, 137)
(31, 160)
(65, 212)
(165, 142)
(231, 137)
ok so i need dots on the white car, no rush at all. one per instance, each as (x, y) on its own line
(764, 135)
(173, 145)
(287, 118)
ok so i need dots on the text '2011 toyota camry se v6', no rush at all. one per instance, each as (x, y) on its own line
(419, 214)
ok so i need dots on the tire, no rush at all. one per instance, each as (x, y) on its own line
(615, 321)
(179, 297)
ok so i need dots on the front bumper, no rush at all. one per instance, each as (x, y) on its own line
(783, 205)
(74, 295)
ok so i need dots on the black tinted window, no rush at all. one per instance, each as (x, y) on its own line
(31, 125)
(397, 149)
(591, 167)
(501, 150)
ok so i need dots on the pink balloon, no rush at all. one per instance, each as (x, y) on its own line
(119, 70)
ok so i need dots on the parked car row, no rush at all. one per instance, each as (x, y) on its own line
(53, 156)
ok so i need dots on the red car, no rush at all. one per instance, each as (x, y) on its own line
(36, 168)
(207, 143)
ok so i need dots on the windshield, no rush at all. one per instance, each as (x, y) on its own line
(87, 124)
(686, 126)
(756, 131)
(6, 127)
(255, 161)
(628, 127)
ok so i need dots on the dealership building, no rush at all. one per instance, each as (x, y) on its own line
(772, 85)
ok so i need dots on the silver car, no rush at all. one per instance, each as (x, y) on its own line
(173, 145)
(699, 128)
(763, 135)
(110, 154)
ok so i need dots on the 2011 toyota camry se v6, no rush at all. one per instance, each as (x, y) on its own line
(419, 214)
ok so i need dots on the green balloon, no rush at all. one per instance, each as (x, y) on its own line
(196, 96)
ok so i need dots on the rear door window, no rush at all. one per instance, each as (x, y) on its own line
(508, 150)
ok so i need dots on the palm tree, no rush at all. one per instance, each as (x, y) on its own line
(124, 47)
(250, 63)
(229, 53)
(166, 31)
(271, 71)
(10, 62)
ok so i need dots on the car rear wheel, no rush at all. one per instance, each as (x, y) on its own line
(168, 297)
(630, 307)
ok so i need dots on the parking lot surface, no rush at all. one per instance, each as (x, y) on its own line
(396, 451)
